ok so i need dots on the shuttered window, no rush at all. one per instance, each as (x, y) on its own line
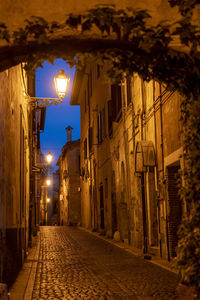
(90, 135)
(110, 118)
(116, 102)
(85, 149)
(128, 90)
(99, 128)
(103, 122)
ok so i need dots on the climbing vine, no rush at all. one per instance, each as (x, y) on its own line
(185, 6)
(145, 49)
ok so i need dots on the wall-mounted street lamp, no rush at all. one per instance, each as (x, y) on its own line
(61, 82)
(49, 158)
(39, 165)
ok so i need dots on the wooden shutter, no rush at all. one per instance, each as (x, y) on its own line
(116, 102)
(175, 208)
(110, 118)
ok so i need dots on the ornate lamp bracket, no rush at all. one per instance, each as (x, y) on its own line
(43, 102)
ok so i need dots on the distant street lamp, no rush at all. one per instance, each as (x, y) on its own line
(48, 200)
(49, 157)
(48, 182)
(38, 166)
(61, 82)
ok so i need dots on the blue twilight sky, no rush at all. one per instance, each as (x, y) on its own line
(58, 117)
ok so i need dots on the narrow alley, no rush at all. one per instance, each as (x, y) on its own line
(100, 150)
(75, 264)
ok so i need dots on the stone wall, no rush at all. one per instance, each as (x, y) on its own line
(114, 197)
(14, 168)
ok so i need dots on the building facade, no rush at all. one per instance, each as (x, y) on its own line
(38, 172)
(69, 175)
(55, 199)
(131, 155)
(14, 172)
(20, 126)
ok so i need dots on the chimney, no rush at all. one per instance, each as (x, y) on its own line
(69, 133)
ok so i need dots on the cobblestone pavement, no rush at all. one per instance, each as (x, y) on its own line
(74, 264)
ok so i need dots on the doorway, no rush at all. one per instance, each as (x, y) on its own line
(174, 207)
(101, 207)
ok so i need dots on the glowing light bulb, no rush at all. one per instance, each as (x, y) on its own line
(48, 182)
(49, 157)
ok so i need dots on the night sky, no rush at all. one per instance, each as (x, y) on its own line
(58, 117)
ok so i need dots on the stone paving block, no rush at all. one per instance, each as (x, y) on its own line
(74, 264)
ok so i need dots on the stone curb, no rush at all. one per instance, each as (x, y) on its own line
(32, 274)
(23, 286)
(131, 250)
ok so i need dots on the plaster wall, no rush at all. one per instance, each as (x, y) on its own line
(172, 124)
(98, 160)
(153, 115)
(14, 209)
(102, 153)
(70, 206)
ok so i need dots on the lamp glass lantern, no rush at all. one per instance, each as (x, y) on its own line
(61, 83)
(49, 157)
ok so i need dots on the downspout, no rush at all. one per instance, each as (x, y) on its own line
(162, 153)
(156, 170)
(133, 121)
(127, 162)
(89, 157)
(30, 176)
(143, 177)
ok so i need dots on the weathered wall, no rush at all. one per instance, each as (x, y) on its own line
(14, 150)
(70, 204)
(140, 199)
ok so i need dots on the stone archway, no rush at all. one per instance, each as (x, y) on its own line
(14, 13)
(65, 41)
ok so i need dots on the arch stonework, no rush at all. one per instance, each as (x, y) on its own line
(27, 43)
(13, 13)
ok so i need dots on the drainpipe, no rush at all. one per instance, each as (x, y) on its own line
(145, 231)
(89, 156)
(127, 161)
(145, 249)
(162, 153)
(156, 170)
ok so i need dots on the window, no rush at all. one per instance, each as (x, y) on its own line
(110, 118)
(79, 164)
(85, 149)
(128, 90)
(85, 100)
(90, 136)
(116, 102)
(99, 128)
(98, 71)
(104, 122)
(106, 187)
(89, 86)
